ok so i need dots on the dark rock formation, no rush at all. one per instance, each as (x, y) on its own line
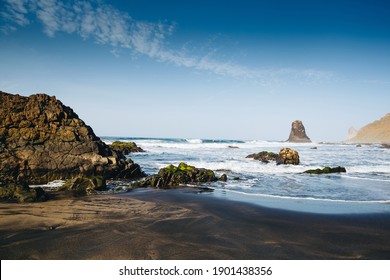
(288, 156)
(172, 176)
(42, 140)
(298, 133)
(126, 147)
(264, 156)
(326, 170)
(22, 193)
(81, 185)
(223, 178)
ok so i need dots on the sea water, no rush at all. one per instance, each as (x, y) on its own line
(365, 187)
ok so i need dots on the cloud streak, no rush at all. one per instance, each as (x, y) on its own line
(108, 26)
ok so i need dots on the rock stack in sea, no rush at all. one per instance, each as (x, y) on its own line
(298, 133)
(43, 140)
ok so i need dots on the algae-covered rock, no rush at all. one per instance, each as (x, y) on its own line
(126, 147)
(22, 193)
(82, 185)
(288, 156)
(326, 170)
(264, 156)
(174, 176)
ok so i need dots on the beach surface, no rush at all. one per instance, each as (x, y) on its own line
(183, 224)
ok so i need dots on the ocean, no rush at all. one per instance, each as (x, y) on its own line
(365, 187)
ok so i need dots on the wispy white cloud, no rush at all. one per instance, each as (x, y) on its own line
(107, 25)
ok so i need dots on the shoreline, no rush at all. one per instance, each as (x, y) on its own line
(183, 224)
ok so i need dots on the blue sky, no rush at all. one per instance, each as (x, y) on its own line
(203, 69)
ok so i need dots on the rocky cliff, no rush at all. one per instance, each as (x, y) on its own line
(42, 140)
(352, 132)
(298, 133)
(375, 132)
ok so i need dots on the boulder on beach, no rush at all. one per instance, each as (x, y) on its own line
(326, 170)
(126, 147)
(264, 156)
(288, 156)
(81, 185)
(43, 140)
(22, 193)
(298, 133)
(175, 176)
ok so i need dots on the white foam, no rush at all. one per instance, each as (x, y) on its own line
(366, 178)
(52, 185)
(194, 141)
(308, 198)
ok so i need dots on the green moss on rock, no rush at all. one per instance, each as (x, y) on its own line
(82, 185)
(264, 156)
(126, 147)
(175, 176)
(326, 170)
(22, 193)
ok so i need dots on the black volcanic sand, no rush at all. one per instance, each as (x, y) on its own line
(181, 224)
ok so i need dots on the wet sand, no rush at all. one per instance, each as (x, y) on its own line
(182, 224)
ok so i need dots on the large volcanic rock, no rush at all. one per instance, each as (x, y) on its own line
(375, 132)
(298, 133)
(43, 140)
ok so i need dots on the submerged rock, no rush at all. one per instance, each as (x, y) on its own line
(288, 156)
(174, 176)
(126, 147)
(43, 140)
(298, 133)
(326, 170)
(264, 156)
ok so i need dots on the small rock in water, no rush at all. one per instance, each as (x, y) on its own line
(223, 178)
(326, 170)
(288, 156)
(126, 147)
(264, 156)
